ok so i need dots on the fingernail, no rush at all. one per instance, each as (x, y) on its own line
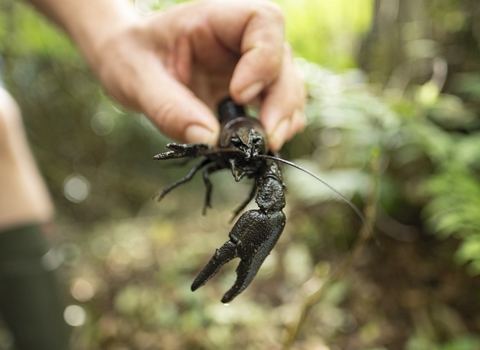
(279, 135)
(196, 133)
(251, 92)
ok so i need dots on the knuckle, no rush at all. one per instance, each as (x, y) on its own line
(273, 69)
(164, 117)
(275, 12)
(287, 50)
(301, 92)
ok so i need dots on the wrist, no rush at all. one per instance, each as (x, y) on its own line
(94, 30)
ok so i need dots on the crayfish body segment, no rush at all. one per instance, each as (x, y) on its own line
(256, 232)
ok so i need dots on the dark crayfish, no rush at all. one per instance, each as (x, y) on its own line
(242, 142)
(243, 149)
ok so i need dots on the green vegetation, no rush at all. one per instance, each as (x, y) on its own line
(399, 76)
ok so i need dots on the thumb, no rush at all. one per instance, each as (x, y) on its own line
(179, 114)
(137, 79)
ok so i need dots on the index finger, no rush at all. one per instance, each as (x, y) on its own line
(255, 30)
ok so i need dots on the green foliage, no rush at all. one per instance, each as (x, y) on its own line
(453, 188)
(460, 343)
(34, 35)
(455, 210)
(327, 32)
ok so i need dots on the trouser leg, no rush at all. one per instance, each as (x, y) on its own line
(30, 299)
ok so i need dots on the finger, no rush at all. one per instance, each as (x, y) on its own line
(255, 30)
(174, 109)
(281, 113)
(299, 122)
(179, 114)
(149, 87)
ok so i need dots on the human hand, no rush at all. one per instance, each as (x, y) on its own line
(174, 65)
(171, 66)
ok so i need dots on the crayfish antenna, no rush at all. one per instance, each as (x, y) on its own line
(316, 177)
(161, 194)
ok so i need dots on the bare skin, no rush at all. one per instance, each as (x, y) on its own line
(24, 196)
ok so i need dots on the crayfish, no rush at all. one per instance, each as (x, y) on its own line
(242, 148)
(242, 142)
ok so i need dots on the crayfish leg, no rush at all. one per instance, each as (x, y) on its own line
(208, 187)
(177, 183)
(242, 206)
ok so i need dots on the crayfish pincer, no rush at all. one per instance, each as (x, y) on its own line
(253, 237)
(242, 148)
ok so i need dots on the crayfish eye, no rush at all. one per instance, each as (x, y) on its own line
(256, 139)
(258, 144)
(236, 141)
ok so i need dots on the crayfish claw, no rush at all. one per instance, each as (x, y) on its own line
(246, 271)
(251, 239)
(178, 150)
(223, 255)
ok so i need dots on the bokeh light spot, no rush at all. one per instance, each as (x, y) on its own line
(82, 290)
(76, 188)
(102, 123)
(75, 315)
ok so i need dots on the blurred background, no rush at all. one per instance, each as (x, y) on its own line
(392, 82)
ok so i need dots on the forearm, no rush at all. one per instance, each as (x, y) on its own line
(24, 197)
(89, 22)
